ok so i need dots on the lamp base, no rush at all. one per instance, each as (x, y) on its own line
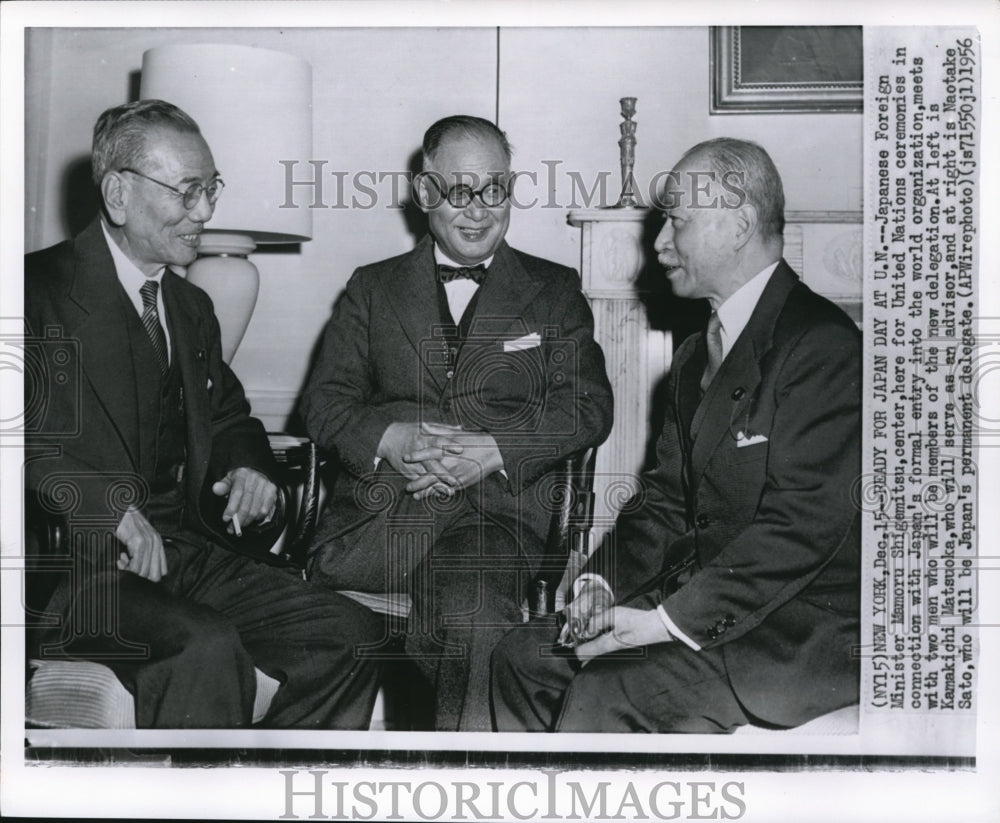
(223, 271)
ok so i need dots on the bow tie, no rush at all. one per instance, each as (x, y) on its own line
(448, 273)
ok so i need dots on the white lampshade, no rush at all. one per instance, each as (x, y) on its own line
(254, 108)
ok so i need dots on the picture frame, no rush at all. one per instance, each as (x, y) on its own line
(786, 69)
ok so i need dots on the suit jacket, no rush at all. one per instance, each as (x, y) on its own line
(88, 426)
(747, 532)
(529, 372)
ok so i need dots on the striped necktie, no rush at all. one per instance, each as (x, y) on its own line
(151, 323)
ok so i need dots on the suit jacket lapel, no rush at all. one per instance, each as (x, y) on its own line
(188, 341)
(689, 364)
(411, 292)
(503, 299)
(689, 388)
(721, 410)
(105, 352)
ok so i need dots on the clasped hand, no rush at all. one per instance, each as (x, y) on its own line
(594, 626)
(439, 459)
(587, 614)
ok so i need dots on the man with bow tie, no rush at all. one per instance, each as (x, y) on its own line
(450, 382)
(163, 474)
(729, 593)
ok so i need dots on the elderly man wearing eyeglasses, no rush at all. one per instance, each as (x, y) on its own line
(450, 382)
(143, 427)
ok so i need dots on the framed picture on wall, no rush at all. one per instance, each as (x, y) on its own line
(758, 69)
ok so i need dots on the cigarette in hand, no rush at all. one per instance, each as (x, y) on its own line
(236, 526)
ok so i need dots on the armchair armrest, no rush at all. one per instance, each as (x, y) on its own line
(571, 522)
(298, 467)
(47, 558)
(572, 516)
(297, 459)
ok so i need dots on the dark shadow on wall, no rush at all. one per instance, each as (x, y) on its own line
(679, 316)
(295, 423)
(79, 196)
(416, 220)
(416, 225)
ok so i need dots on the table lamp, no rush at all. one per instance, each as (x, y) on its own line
(254, 108)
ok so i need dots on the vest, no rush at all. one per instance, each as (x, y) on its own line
(162, 428)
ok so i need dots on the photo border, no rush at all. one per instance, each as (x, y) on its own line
(807, 786)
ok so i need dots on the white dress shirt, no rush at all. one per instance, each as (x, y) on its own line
(735, 313)
(460, 290)
(132, 280)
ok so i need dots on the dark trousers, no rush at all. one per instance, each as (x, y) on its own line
(466, 595)
(186, 646)
(668, 687)
(466, 577)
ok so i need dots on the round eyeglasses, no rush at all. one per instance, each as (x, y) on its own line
(492, 194)
(190, 196)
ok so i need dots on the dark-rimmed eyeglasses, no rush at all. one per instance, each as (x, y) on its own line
(491, 195)
(190, 196)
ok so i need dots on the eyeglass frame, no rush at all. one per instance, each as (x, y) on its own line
(473, 195)
(217, 182)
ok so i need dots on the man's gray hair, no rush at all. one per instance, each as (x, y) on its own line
(462, 125)
(120, 134)
(751, 169)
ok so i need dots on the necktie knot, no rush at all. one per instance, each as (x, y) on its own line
(148, 291)
(715, 326)
(475, 273)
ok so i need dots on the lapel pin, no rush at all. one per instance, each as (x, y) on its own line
(738, 392)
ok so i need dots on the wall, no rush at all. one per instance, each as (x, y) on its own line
(555, 91)
(559, 96)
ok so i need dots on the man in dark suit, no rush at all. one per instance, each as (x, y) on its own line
(153, 455)
(729, 593)
(451, 381)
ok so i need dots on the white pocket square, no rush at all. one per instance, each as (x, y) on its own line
(742, 440)
(210, 384)
(529, 341)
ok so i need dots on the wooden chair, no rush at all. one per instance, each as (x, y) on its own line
(569, 529)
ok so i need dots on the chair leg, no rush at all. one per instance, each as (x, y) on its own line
(408, 697)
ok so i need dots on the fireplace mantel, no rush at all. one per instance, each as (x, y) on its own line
(823, 247)
(612, 258)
